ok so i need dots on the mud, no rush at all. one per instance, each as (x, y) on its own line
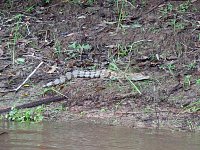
(149, 38)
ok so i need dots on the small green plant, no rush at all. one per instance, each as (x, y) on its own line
(167, 9)
(177, 25)
(125, 50)
(121, 12)
(122, 51)
(112, 66)
(198, 82)
(16, 36)
(103, 110)
(78, 49)
(82, 113)
(199, 36)
(60, 108)
(57, 47)
(184, 7)
(26, 115)
(144, 2)
(193, 107)
(29, 9)
(187, 81)
(171, 68)
(191, 125)
(90, 2)
(191, 66)
(9, 3)
(154, 29)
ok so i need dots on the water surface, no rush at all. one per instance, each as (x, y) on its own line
(84, 136)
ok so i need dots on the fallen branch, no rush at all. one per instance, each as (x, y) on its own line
(3, 132)
(35, 103)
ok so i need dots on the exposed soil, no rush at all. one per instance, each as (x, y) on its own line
(159, 39)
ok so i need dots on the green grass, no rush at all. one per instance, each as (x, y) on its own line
(169, 67)
(57, 48)
(113, 66)
(16, 35)
(193, 107)
(187, 81)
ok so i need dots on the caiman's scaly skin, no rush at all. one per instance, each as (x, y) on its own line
(95, 74)
(78, 74)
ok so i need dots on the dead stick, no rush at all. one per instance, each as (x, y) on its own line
(28, 77)
(3, 132)
(35, 103)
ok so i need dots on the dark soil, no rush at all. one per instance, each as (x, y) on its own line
(160, 39)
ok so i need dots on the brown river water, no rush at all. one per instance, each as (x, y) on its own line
(85, 136)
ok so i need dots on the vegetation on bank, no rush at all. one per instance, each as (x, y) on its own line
(170, 14)
(25, 115)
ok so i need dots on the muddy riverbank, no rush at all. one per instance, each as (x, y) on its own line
(154, 38)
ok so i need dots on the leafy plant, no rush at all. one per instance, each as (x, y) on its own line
(78, 49)
(167, 9)
(9, 3)
(198, 82)
(192, 65)
(184, 7)
(26, 115)
(171, 68)
(177, 25)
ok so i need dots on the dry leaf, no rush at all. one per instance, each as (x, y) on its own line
(53, 69)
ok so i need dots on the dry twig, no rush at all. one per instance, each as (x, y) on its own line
(16, 89)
